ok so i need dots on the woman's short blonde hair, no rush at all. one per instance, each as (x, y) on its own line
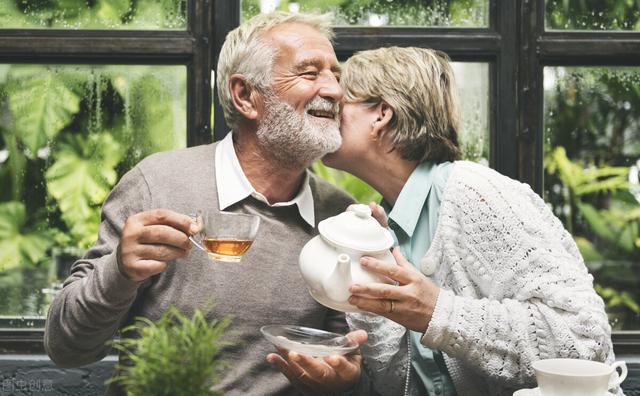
(244, 52)
(419, 86)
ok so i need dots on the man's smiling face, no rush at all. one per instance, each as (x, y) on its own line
(300, 118)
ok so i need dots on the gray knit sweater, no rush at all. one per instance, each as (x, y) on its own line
(265, 288)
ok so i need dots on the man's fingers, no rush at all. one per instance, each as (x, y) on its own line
(163, 234)
(295, 377)
(294, 369)
(345, 367)
(285, 367)
(167, 217)
(316, 368)
(358, 336)
(279, 362)
(146, 268)
(160, 252)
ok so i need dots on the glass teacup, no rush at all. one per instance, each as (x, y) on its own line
(225, 236)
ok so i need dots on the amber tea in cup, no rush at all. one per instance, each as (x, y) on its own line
(225, 236)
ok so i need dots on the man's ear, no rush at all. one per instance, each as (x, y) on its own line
(383, 121)
(244, 96)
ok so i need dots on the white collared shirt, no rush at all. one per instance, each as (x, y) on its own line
(233, 185)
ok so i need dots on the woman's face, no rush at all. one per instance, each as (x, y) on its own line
(356, 126)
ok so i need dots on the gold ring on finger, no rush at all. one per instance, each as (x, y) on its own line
(392, 306)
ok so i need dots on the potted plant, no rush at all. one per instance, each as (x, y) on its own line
(176, 355)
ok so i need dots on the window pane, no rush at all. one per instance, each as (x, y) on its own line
(443, 13)
(96, 14)
(592, 15)
(472, 80)
(67, 134)
(592, 155)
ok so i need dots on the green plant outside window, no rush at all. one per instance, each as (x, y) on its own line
(592, 153)
(441, 13)
(592, 15)
(95, 14)
(67, 134)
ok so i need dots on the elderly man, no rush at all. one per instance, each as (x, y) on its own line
(278, 84)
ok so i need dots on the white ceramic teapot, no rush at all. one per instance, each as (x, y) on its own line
(330, 262)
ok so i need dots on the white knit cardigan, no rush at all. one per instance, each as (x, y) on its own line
(514, 289)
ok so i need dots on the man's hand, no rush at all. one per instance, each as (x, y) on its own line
(321, 376)
(150, 239)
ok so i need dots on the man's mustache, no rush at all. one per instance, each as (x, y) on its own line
(319, 103)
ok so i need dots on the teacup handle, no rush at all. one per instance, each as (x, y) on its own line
(197, 243)
(196, 239)
(623, 374)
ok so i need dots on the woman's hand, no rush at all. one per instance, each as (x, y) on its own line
(321, 376)
(410, 303)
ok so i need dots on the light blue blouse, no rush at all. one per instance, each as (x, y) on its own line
(413, 220)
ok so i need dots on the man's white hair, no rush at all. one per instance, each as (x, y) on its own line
(243, 52)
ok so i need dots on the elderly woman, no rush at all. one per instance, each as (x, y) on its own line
(491, 281)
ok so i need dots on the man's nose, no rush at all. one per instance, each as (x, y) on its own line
(330, 88)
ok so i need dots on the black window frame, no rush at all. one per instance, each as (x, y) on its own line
(515, 44)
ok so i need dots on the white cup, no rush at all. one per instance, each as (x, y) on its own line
(577, 377)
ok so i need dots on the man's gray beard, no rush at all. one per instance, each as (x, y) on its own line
(296, 140)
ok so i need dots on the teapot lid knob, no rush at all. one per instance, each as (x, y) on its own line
(362, 211)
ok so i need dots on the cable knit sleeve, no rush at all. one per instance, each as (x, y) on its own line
(515, 288)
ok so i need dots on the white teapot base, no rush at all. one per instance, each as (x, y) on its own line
(338, 306)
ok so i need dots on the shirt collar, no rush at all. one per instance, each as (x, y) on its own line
(233, 185)
(406, 211)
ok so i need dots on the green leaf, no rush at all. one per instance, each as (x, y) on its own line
(158, 13)
(18, 247)
(41, 105)
(81, 177)
(588, 251)
(4, 72)
(596, 221)
(149, 110)
(112, 11)
(10, 15)
(152, 111)
(17, 164)
(569, 173)
(610, 184)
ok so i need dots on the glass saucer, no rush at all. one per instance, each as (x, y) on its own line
(308, 341)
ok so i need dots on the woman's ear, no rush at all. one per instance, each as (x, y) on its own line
(244, 97)
(383, 120)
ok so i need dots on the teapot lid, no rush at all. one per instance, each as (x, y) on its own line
(356, 229)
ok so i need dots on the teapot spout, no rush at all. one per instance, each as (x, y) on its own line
(336, 285)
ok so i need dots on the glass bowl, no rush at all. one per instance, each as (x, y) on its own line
(308, 341)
